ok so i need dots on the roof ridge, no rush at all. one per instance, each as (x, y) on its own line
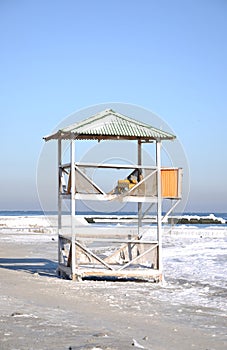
(88, 120)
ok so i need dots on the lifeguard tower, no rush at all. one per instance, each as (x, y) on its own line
(82, 249)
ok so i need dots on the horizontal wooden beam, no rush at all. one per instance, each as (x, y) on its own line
(111, 240)
(140, 274)
(111, 197)
(119, 166)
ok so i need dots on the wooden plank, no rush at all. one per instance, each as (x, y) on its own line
(73, 205)
(106, 238)
(145, 275)
(89, 180)
(59, 197)
(113, 166)
(169, 178)
(109, 240)
(141, 274)
(111, 197)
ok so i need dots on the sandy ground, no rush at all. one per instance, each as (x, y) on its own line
(40, 311)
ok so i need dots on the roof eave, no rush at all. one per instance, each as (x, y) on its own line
(76, 136)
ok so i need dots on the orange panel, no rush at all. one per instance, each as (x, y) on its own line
(169, 183)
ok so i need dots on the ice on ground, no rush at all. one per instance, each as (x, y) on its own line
(194, 260)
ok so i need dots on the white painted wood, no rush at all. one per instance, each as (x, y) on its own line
(89, 180)
(128, 196)
(59, 197)
(139, 155)
(73, 207)
(112, 240)
(101, 197)
(119, 166)
(159, 203)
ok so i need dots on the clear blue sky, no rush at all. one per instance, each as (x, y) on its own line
(166, 56)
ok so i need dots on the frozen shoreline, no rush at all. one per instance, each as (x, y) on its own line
(44, 312)
(48, 225)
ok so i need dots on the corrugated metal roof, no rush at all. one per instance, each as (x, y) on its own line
(109, 124)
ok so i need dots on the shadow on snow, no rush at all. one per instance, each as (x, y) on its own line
(43, 267)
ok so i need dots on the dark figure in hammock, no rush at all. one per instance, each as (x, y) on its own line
(135, 176)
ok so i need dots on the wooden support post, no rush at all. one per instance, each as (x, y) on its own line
(159, 204)
(59, 198)
(139, 203)
(73, 207)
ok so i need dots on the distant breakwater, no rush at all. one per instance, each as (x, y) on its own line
(172, 220)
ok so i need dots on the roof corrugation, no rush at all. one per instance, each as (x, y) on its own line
(110, 124)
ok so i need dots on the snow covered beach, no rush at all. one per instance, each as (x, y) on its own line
(40, 311)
